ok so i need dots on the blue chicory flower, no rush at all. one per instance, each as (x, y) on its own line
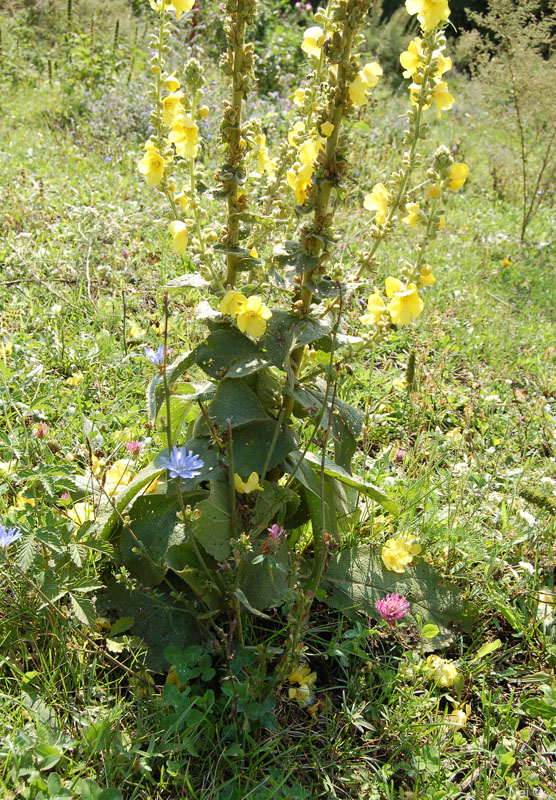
(181, 464)
(155, 356)
(8, 535)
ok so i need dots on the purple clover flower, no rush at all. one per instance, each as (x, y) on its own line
(275, 533)
(181, 464)
(392, 608)
(8, 536)
(156, 357)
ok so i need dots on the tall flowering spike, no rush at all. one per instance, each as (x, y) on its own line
(182, 464)
(8, 536)
(392, 608)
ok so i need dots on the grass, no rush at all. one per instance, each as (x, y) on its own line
(83, 258)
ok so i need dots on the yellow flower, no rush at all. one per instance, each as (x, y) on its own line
(313, 38)
(444, 64)
(232, 303)
(180, 6)
(152, 165)
(81, 512)
(442, 671)
(429, 12)
(295, 132)
(171, 105)
(136, 332)
(7, 467)
(182, 199)
(442, 221)
(299, 178)
(303, 675)
(326, 128)
(171, 83)
(152, 486)
(6, 349)
(254, 253)
(299, 97)
(365, 79)
(426, 278)
(442, 97)
(406, 302)
(454, 435)
(252, 317)
(459, 715)
(264, 164)
(434, 190)
(413, 214)
(375, 309)
(248, 486)
(398, 552)
(184, 135)
(378, 201)
(204, 111)
(21, 501)
(458, 176)
(309, 150)
(413, 58)
(118, 476)
(75, 379)
(178, 230)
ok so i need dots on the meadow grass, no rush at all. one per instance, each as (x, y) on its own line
(469, 453)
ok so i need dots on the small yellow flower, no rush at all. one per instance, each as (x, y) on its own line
(426, 278)
(81, 512)
(406, 303)
(232, 303)
(152, 165)
(6, 349)
(184, 136)
(136, 332)
(309, 150)
(326, 128)
(254, 253)
(252, 317)
(293, 135)
(21, 502)
(434, 190)
(182, 199)
(302, 674)
(375, 309)
(181, 6)
(171, 105)
(442, 671)
(430, 13)
(372, 72)
(413, 214)
(204, 112)
(171, 83)
(378, 201)
(398, 552)
(459, 715)
(299, 178)
(248, 486)
(118, 476)
(313, 39)
(178, 229)
(413, 58)
(458, 176)
(306, 681)
(299, 97)
(444, 64)
(75, 379)
(443, 100)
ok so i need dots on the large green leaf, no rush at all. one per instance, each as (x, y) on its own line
(234, 400)
(356, 578)
(155, 389)
(213, 529)
(251, 445)
(156, 619)
(368, 489)
(227, 352)
(285, 331)
(111, 516)
(264, 585)
(153, 528)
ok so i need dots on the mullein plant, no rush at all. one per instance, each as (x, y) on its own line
(248, 466)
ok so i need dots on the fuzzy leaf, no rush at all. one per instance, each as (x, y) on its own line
(227, 352)
(213, 529)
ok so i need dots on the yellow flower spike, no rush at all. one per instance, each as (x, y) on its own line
(313, 39)
(443, 100)
(326, 129)
(442, 671)
(248, 486)
(152, 165)
(378, 201)
(458, 176)
(181, 6)
(232, 303)
(6, 349)
(375, 309)
(298, 97)
(171, 83)
(430, 13)
(171, 105)
(252, 317)
(75, 379)
(413, 214)
(81, 512)
(426, 278)
(178, 229)
(405, 306)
